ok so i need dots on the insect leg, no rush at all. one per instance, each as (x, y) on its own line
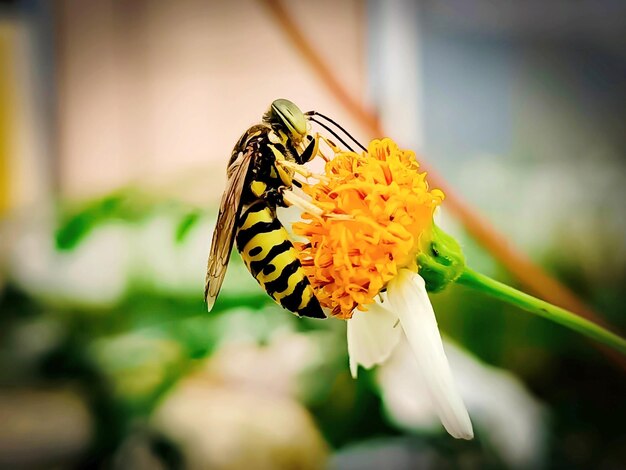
(301, 170)
(333, 146)
(303, 204)
(313, 149)
(282, 197)
(310, 151)
(275, 197)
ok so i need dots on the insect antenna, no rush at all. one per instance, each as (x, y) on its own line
(332, 132)
(315, 113)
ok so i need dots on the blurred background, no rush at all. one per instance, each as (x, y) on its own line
(116, 122)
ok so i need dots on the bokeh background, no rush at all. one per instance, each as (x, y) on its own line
(116, 122)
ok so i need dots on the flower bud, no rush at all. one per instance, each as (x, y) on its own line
(440, 259)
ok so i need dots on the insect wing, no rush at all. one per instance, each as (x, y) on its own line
(225, 228)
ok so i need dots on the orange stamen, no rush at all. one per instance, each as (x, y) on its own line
(349, 260)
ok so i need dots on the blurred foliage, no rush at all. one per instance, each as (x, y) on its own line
(77, 223)
(129, 205)
(187, 222)
(125, 358)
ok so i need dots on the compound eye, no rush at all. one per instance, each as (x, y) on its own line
(291, 116)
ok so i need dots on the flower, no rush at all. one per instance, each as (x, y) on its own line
(350, 260)
(361, 255)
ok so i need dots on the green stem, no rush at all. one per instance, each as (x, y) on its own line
(539, 307)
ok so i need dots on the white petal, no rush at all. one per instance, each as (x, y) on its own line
(404, 393)
(513, 420)
(372, 335)
(409, 299)
(510, 419)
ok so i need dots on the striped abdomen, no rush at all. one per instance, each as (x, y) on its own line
(271, 258)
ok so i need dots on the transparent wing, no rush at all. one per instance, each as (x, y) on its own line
(225, 228)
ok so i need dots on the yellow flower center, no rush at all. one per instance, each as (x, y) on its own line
(349, 260)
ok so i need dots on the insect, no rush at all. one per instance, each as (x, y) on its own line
(247, 215)
(259, 173)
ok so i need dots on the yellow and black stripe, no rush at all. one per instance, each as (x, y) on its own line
(271, 258)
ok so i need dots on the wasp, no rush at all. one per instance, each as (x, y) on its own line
(259, 173)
